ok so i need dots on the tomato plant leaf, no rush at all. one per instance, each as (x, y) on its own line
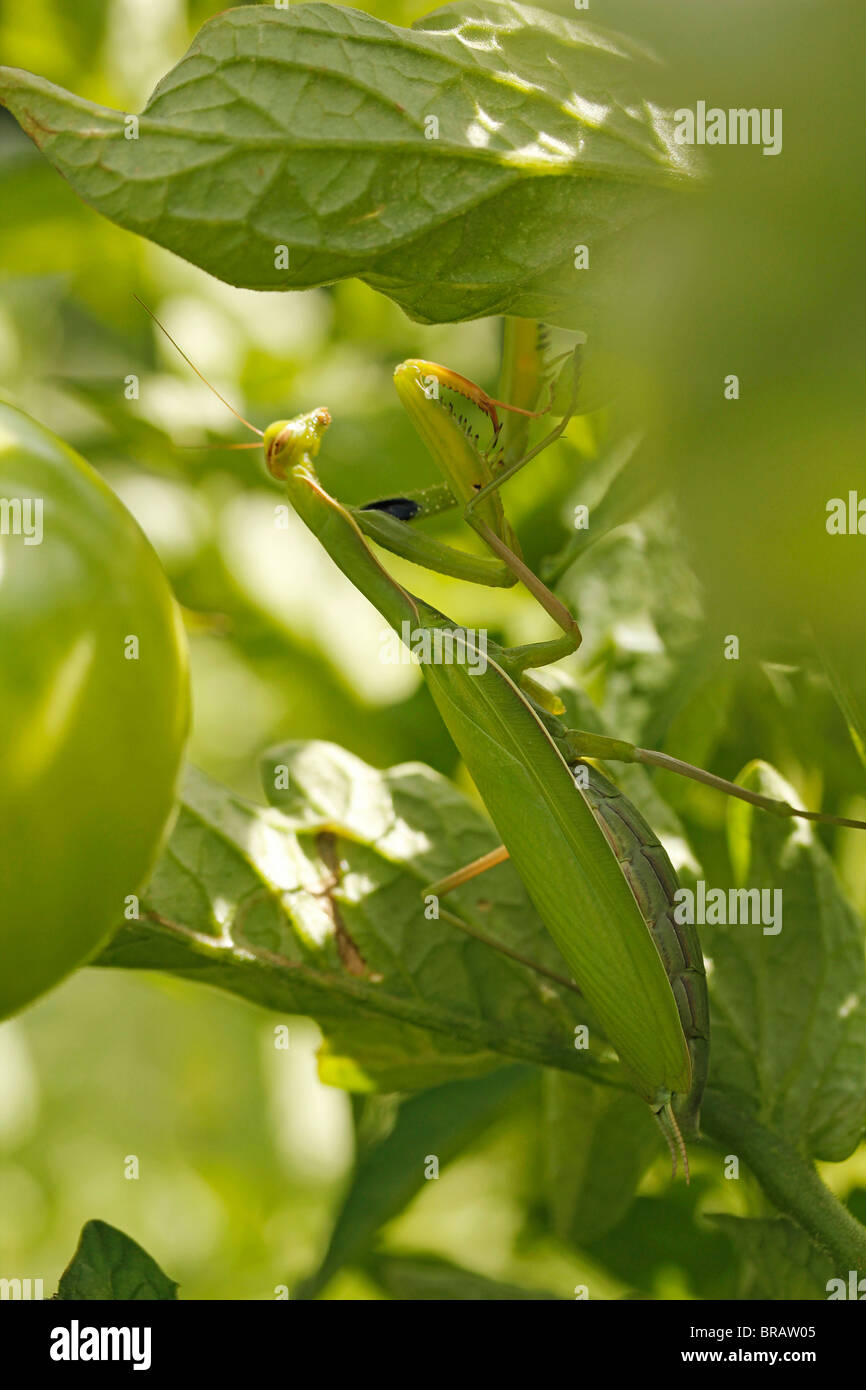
(408, 1277)
(779, 1260)
(319, 912)
(843, 667)
(440, 1121)
(291, 148)
(597, 1145)
(789, 1005)
(109, 1265)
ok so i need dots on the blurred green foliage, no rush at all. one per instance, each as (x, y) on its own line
(242, 1154)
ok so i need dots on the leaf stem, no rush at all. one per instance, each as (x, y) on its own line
(789, 1180)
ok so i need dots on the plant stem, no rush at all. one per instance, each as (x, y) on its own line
(789, 1180)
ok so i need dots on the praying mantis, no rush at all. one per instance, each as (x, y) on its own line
(594, 870)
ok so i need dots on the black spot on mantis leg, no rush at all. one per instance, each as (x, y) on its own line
(402, 508)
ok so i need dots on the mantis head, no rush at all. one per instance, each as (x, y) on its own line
(288, 442)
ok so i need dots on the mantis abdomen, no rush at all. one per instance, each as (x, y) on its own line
(562, 853)
(653, 881)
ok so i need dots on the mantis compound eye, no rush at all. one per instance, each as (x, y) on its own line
(277, 441)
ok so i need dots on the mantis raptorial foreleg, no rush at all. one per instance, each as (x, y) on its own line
(517, 661)
(508, 470)
(545, 596)
(473, 480)
(472, 474)
(562, 616)
(383, 523)
(524, 374)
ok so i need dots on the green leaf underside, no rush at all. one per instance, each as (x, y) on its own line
(844, 670)
(789, 1010)
(109, 1265)
(780, 1261)
(308, 129)
(408, 1277)
(318, 910)
(597, 1145)
(442, 1120)
(244, 898)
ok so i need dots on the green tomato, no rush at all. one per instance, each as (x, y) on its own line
(94, 707)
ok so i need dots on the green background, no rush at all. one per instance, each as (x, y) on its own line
(242, 1153)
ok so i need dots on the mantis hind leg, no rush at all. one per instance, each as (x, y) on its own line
(468, 872)
(578, 745)
(465, 875)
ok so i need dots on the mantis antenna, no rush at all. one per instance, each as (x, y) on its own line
(203, 378)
